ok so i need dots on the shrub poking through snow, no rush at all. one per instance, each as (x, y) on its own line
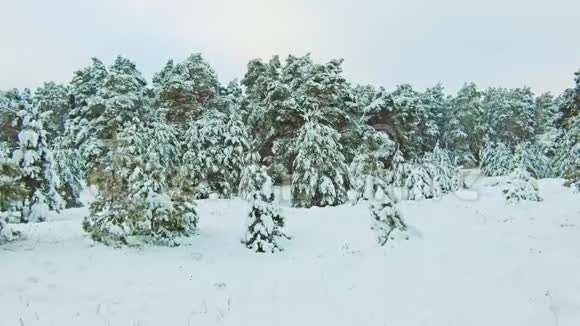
(520, 185)
(265, 222)
(386, 218)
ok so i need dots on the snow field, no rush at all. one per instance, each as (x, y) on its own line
(468, 262)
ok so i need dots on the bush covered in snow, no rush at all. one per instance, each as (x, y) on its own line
(520, 185)
(386, 218)
(430, 176)
(500, 160)
(265, 221)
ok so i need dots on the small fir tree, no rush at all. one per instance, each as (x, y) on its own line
(386, 218)
(265, 222)
(520, 185)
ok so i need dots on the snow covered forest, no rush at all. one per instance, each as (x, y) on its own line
(116, 161)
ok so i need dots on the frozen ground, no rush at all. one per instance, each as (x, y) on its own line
(473, 261)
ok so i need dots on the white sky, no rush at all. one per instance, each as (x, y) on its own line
(503, 43)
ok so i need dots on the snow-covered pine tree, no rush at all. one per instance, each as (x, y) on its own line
(445, 176)
(568, 149)
(69, 169)
(567, 161)
(466, 129)
(168, 212)
(83, 124)
(545, 122)
(35, 159)
(320, 176)
(533, 158)
(265, 221)
(57, 99)
(434, 102)
(386, 218)
(409, 113)
(11, 192)
(499, 159)
(496, 160)
(185, 90)
(520, 185)
(217, 150)
(113, 218)
(367, 169)
(510, 113)
(418, 184)
(135, 203)
(104, 100)
(408, 179)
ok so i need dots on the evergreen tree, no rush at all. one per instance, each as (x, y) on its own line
(217, 150)
(385, 218)
(367, 170)
(511, 114)
(12, 102)
(107, 98)
(134, 203)
(320, 175)
(55, 98)
(85, 116)
(568, 148)
(546, 118)
(409, 114)
(434, 103)
(444, 175)
(186, 90)
(11, 192)
(265, 222)
(466, 130)
(520, 185)
(496, 160)
(69, 169)
(35, 159)
(567, 161)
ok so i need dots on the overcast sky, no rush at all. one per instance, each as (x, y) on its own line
(492, 42)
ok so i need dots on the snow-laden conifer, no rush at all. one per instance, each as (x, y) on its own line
(217, 149)
(265, 221)
(386, 218)
(11, 192)
(320, 176)
(135, 202)
(35, 159)
(445, 176)
(69, 168)
(520, 185)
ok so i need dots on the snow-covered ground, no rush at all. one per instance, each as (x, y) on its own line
(473, 260)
